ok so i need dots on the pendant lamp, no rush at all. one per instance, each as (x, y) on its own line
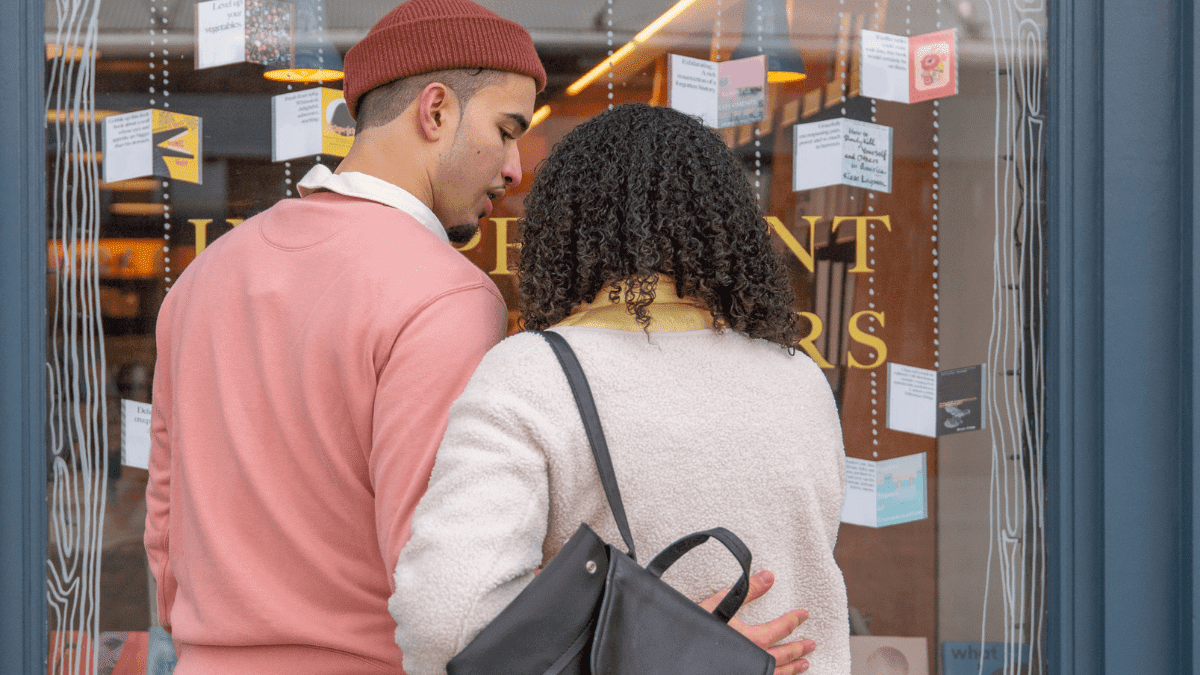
(763, 18)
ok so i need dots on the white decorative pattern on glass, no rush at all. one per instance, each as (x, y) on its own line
(77, 409)
(1015, 348)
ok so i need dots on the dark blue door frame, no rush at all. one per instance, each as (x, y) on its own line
(1123, 396)
(22, 343)
(1121, 399)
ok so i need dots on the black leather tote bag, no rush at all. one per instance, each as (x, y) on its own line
(593, 609)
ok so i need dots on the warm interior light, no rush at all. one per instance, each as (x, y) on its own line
(137, 209)
(663, 20)
(781, 76)
(69, 52)
(124, 258)
(645, 34)
(605, 65)
(131, 185)
(539, 116)
(304, 75)
(59, 116)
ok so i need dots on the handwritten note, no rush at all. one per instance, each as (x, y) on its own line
(135, 434)
(720, 94)
(842, 151)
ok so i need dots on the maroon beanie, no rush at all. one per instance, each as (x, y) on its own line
(422, 36)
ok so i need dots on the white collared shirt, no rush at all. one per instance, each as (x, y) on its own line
(366, 186)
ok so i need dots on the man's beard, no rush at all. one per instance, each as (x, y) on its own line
(461, 234)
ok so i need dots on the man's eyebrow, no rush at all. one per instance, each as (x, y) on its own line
(519, 120)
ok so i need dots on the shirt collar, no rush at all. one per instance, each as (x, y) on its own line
(366, 186)
(668, 312)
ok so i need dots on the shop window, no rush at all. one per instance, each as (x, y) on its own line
(915, 249)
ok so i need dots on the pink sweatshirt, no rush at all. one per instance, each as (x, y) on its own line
(306, 364)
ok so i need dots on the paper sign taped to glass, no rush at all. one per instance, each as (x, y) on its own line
(909, 70)
(887, 492)
(722, 95)
(931, 403)
(245, 31)
(135, 434)
(152, 143)
(310, 122)
(842, 152)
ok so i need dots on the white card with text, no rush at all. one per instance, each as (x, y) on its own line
(135, 434)
(842, 152)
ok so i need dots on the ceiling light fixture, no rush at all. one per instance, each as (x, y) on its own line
(316, 59)
(783, 65)
(645, 34)
(539, 116)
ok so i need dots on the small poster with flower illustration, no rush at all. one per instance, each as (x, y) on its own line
(933, 67)
(909, 70)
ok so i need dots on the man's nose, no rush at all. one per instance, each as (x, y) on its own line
(512, 168)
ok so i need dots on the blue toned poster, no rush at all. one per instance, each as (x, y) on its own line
(887, 492)
(900, 490)
(964, 658)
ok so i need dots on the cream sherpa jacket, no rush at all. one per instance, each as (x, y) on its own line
(704, 429)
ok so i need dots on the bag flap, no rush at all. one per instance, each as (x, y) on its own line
(545, 619)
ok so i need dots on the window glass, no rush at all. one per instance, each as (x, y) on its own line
(896, 148)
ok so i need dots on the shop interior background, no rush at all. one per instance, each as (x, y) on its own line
(959, 275)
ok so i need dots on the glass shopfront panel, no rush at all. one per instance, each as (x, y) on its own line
(897, 152)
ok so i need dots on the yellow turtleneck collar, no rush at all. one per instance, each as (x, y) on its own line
(668, 312)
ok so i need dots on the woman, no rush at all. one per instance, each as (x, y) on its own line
(644, 247)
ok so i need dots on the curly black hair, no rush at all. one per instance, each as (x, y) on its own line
(640, 191)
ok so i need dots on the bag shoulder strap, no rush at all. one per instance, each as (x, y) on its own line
(591, 425)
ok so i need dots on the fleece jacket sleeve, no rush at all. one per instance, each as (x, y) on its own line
(426, 369)
(478, 532)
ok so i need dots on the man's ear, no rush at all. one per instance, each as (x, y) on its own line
(435, 105)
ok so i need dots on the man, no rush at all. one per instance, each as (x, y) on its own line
(307, 361)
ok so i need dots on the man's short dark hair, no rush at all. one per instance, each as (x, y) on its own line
(385, 103)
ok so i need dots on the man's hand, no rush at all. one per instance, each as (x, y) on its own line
(789, 657)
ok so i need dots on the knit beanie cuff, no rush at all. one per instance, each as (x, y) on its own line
(468, 36)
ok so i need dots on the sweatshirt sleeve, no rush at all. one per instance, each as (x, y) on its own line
(158, 489)
(478, 532)
(426, 369)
